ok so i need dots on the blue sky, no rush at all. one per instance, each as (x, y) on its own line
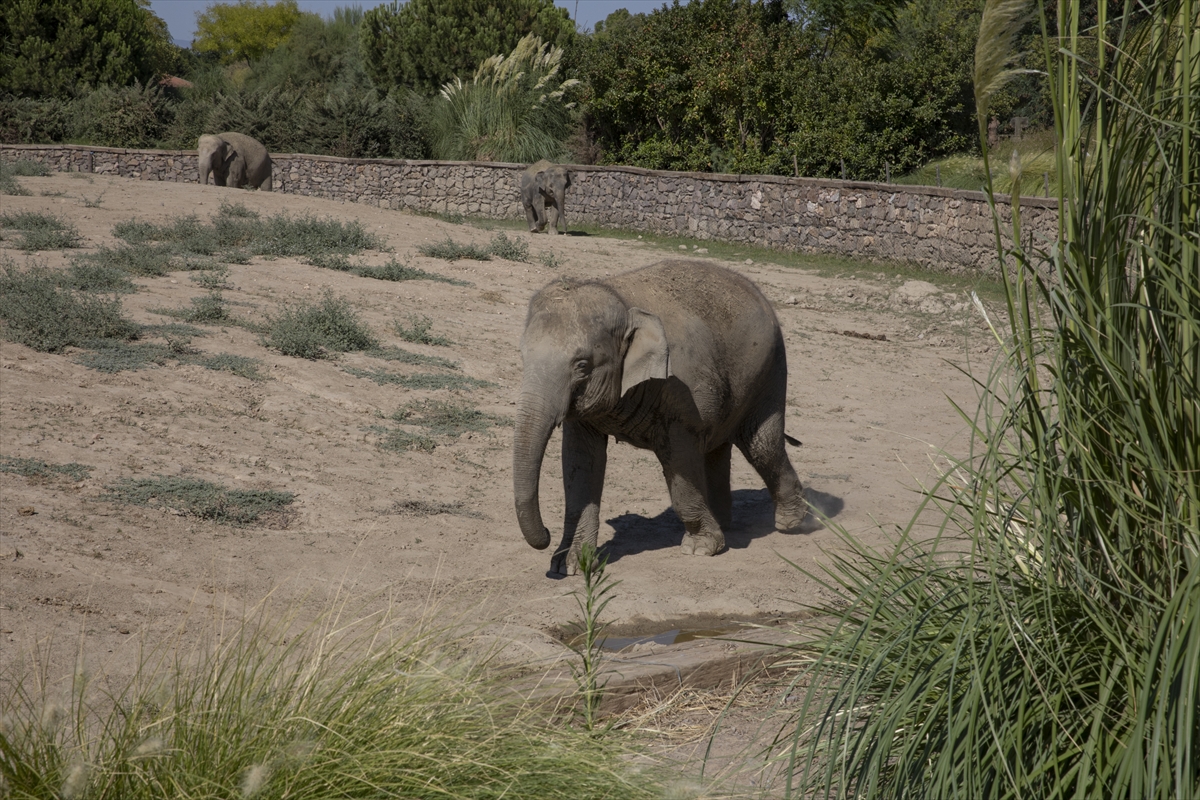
(180, 15)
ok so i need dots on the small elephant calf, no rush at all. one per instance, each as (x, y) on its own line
(551, 182)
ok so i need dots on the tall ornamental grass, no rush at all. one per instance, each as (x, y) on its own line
(1044, 640)
(345, 708)
(513, 110)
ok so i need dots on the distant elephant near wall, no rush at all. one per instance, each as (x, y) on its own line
(235, 160)
(551, 181)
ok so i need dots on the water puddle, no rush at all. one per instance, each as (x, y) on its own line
(673, 636)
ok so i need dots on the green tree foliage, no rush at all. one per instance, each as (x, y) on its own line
(513, 110)
(246, 30)
(49, 48)
(422, 44)
(742, 86)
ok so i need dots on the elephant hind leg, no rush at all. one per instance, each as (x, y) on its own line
(763, 446)
(720, 496)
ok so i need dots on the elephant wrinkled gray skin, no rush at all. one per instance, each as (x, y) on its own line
(235, 160)
(683, 358)
(551, 181)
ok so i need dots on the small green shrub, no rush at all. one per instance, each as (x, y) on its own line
(35, 468)
(39, 313)
(143, 260)
(41, 231)
(419, 381)
(312, 330)
(25, 168)
(238, 210)
(417, 331)
(516, 249)
(213, 279)
(199, 498)
(451, 250)
(91, 277)
(395, 271)
(416, 359)
(551, 260)
(338, 262)
(207, 308)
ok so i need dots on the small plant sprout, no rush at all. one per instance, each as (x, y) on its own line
(589, 635)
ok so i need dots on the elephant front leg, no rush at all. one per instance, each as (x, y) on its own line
(531, 217)
(684, 467)
(585, 457)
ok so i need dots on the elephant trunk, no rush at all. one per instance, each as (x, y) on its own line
(536, 420)
(204, 173)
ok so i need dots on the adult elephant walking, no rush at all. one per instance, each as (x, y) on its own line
(235, 160)
(683, 358)
(546, 182)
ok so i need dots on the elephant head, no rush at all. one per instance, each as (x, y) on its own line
(215, 156)
(583, 348)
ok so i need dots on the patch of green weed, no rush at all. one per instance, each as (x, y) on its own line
(41, 231)
(242, 366)
(417, 331)
(90, 277)
(424, 508)
(396, 440)
(35, 468)
(37, 311)
(416, 359)
(450, 250)
(25, 168)
(446, 418)
(313, 330)
(237, 209)
(142, 259)
(199, 498)
(418, 381)
(395, 271)
(213, 280)
(109, 355)
(339, 262)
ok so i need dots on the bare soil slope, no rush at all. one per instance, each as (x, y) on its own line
(871, 414)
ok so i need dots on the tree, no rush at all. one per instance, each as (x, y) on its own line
(422, 44)
(49, 48)
(245, 31)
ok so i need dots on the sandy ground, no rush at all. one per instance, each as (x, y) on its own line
(872, 416)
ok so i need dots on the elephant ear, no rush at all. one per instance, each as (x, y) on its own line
(648, 354)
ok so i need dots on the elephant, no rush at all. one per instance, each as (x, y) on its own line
(236, 160)
(551, 182)
(681, 357)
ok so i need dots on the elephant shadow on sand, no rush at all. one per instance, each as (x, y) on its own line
(753, 518)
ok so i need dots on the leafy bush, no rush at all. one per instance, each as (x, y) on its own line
(207, 308)
(39, 313)
(200, 498)
(143, 260)
(313, 330)
(416, 359)
(727, 86)
(513, 110)
(41, 231)
(429, 381)
(28, 120)
(23, 167)
(95, 277)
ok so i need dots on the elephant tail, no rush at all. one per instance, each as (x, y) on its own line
(794, 442)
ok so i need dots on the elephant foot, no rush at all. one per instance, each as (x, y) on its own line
(790, 520)
(697, 544)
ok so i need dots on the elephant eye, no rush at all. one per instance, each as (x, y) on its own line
(583, 366)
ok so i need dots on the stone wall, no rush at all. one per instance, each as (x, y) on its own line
(942, 229)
